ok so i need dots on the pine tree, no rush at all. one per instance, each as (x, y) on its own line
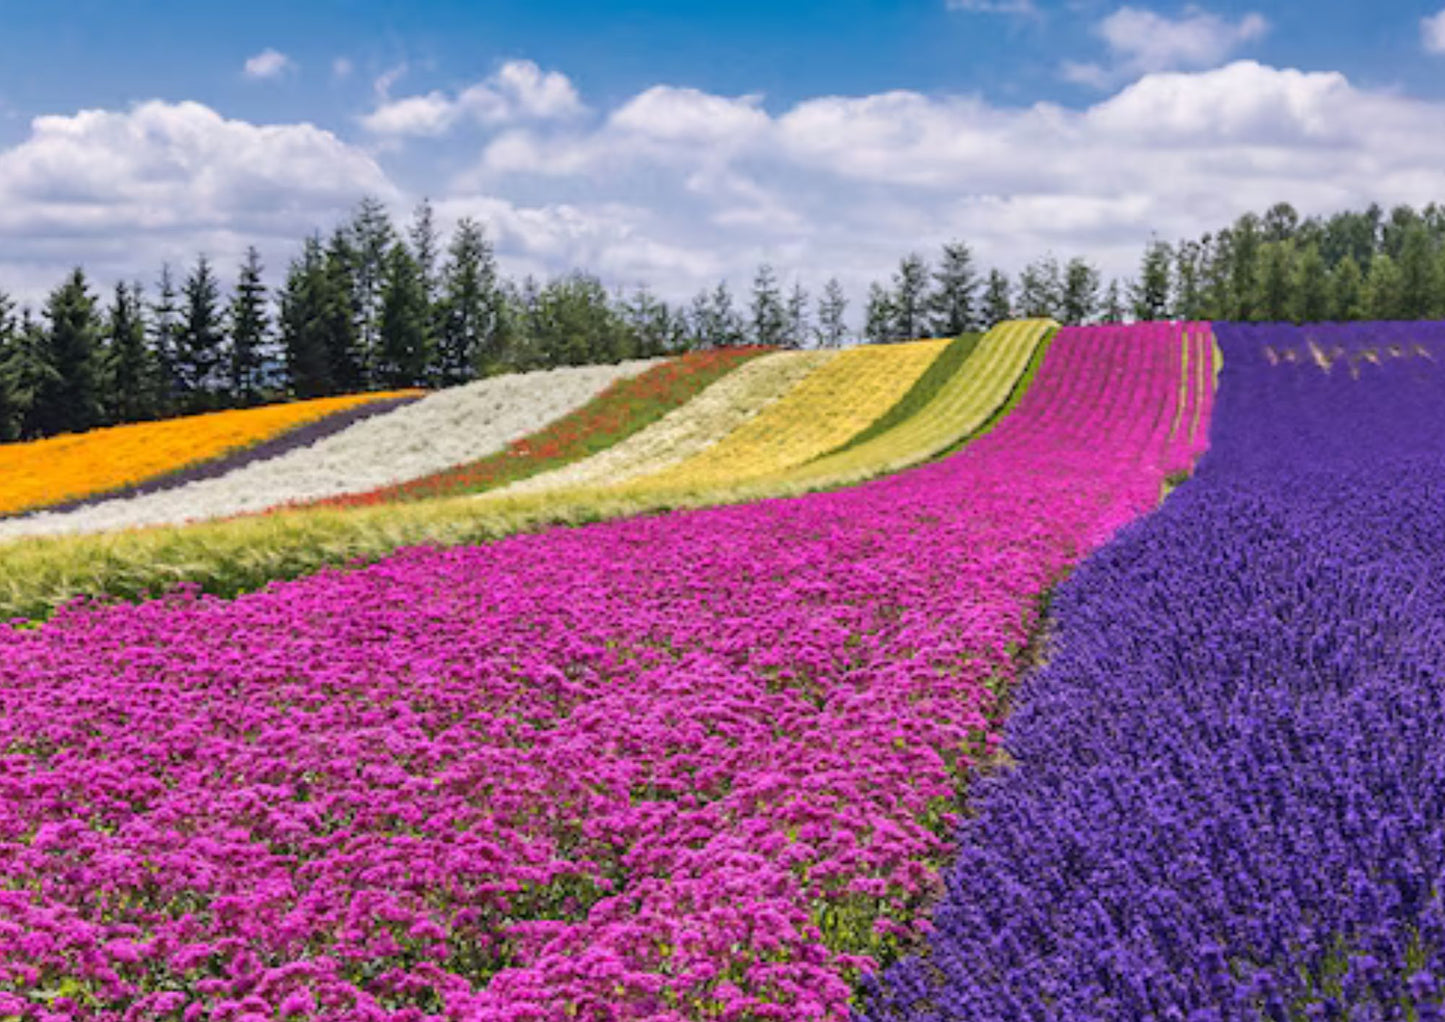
(1311, 287)
(199, 342)
(769, 317)
(249, 325)
(425, 246)
(303, 324)
(997, 299)
(955, 296)
(165, 332)
(28, 374)
(471, 334)
(1041, 289)
(339, 322)
(649, 323)
(10, 411)
(1081, 291)
(1151, 294)
(1347, 291)
(1189, 281)
(910, 298)
(1276, 299)
(128, 370)
(67, 400)
(1383, 289)
(878, 316)
(796, 334)
(1112, 308)
(405, 355)
(369, 236)
(726, 322)
(832, 307)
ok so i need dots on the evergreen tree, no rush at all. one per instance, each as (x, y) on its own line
(128, 371)
(248, 332)
(165, 332)
(955, 296)
(769, 316)
(910, 298)
(10, 410)
(340, 322)
(404, 357)
(370, 236)
(878, 318)
(1419, 283)
(1275, 303)
(470, 341)
(576, 323)
(650, 325)
(1080, 301)
(1151, 294)
(1189, 287)
(199, 352)
(1347, 291)
(796, 335)
(1280, 223)
(1041, 289)
(67, 400)
(1383, 289)
(832, 307)
(29, 373)
(425, 246)
(726, 323)
(303, 323)
(1311, 287)
(1112, 308)
(997, 299)
(1218, 298)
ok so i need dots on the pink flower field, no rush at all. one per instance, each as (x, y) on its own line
(690, 766)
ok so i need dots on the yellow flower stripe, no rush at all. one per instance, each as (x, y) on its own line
(38, 473)
(684, 431)
(834, 403)
(961, 408)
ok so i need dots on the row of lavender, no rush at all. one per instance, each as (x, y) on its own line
(693, 766)
(1229, 799)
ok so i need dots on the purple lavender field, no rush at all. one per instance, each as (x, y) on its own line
(1228, 799)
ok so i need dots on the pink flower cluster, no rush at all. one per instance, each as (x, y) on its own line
(689, 766)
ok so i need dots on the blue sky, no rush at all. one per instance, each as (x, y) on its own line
(677, 142)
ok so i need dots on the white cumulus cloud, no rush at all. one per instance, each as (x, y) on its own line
(269, 63)
(1141, 40)
(519, 90)
(1432, 33)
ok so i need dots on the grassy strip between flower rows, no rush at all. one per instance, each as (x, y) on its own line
(623, 409)
(228, 558)
(59, 469)
(924, 390)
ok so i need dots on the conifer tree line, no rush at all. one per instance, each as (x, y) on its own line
(376, 306)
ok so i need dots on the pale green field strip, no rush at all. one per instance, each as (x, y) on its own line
(961, 408)
(684, 432)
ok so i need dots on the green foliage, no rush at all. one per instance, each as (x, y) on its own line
(404, 351)
(66, 398)
(249, 325)
(924, 389)
(1151, 294)
(955, 298)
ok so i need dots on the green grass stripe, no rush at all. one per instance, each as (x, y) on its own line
(924, 390)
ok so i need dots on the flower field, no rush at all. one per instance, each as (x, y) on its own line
(842, 398)
(444, 429)
(44, 473)
(676, 767)
(1228, 800)
(620, 411)
(682, 433)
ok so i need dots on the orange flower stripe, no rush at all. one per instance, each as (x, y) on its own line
(39, 473)
(619, 411)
